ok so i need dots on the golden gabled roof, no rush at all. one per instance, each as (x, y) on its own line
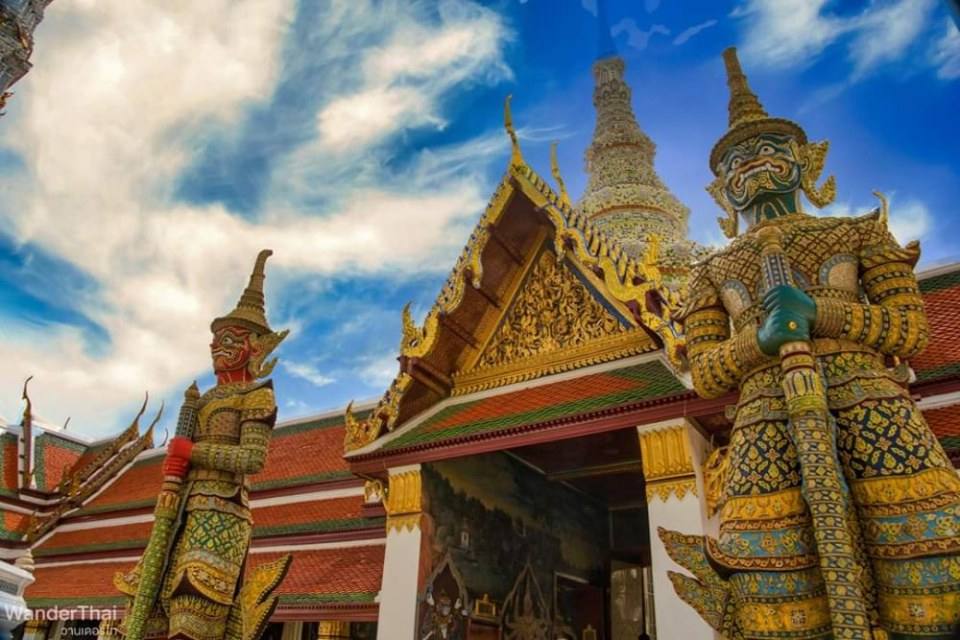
(626, 280)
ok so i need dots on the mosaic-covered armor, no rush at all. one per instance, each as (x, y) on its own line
(190, 581)
(855, 301)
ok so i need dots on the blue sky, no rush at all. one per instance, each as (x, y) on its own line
(156, 146)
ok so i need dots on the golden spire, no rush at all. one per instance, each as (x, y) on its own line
(555, 169)
(250, 311)
(516, 158)
(744, 105)
(748, 118)
(625, 197)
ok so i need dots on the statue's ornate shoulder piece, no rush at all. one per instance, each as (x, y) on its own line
(701, 292)
(878, 244)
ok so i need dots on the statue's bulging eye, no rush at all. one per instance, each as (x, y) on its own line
(736, 162)
(767, 150)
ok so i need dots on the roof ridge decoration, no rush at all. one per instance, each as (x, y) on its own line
(77, 488)
(633, 280)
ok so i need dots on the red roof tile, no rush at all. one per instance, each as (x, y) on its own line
(941, 295)
(137, 487)
(330, 574)
(325, 575)
(560, 400)
(124, 536)
(56, 462)
(945, 423)
(10, 462)
(76, 584)
(304, 453)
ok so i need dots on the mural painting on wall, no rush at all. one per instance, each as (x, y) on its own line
(493, 516)
(525, 613)
(444, 607)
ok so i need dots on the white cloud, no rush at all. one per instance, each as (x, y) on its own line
(307, 372)
(909, 220)
(404, 77)
(379, 371)
(590, 6)
(690, 32)
(945, 53)
(104, 148)
(783, 33)
(637, 37)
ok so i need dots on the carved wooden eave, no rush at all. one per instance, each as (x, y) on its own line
(524, 217)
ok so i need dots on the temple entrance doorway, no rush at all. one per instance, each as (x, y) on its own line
(546, 541)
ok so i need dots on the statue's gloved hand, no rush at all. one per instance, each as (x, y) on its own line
(177, 462)
(791, 313)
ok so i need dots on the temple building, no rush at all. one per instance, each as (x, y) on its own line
(511, 481)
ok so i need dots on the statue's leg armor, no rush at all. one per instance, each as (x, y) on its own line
(908, 498)
(766, 539)
(207, 563)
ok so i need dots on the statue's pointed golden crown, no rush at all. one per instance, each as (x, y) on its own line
(748, 118)
(250, 311)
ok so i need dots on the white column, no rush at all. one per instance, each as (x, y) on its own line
(673, 453)
(401, 564)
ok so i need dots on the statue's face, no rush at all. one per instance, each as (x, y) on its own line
(231, 348)
(760, 166)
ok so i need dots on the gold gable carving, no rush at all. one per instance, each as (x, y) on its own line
(554, 324)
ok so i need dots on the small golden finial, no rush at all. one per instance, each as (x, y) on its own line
(28, 410)
(555, 169)
(516, 158)
(744, 105)
(884, 208)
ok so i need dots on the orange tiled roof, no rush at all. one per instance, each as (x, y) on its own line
(304, 453)
(137, 487)
(299, 454)
(350, 574)
(941, 359)
(945, 423)
(90, 584)
(339, 575)
(124, 536)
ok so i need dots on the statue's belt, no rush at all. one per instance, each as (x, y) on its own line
(216, 474)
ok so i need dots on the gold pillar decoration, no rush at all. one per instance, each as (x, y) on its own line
(404, 501)
(333, 630)
(372, 492)
(667, 463)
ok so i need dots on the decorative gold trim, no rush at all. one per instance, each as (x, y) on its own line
(666, 453)
(373, 492)
(404, 501)
(663, 488)
(601, 350)
(892, 490)
(780, 504)
(715, 470)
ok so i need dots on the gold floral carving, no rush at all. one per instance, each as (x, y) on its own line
(553, 311)
(664, 488)
(714, 478)
(667, 463)
(404, 501)
(373, 492)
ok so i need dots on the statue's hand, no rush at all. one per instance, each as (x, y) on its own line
(791, 313)
(177, 462)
